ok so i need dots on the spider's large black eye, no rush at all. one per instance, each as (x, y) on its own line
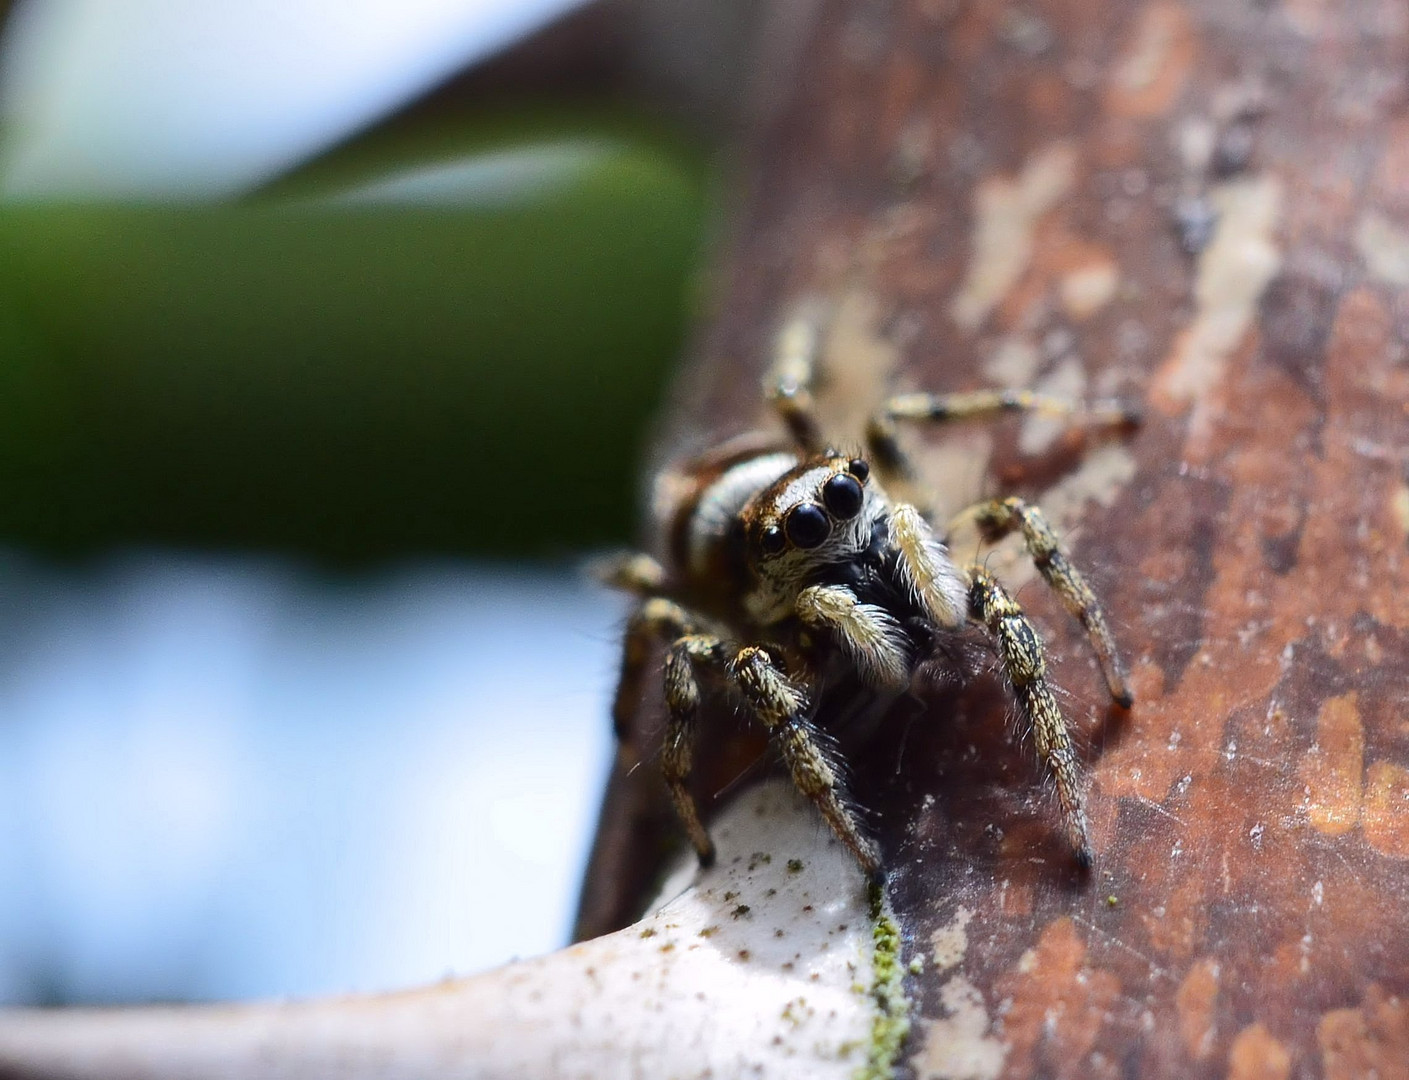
(771, 541)
(842, 496)
(807, 526)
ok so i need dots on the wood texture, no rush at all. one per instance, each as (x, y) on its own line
(1204, 207)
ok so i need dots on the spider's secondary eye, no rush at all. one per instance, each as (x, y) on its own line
(859, 468)
(807, 526)
(842, 496)
(771, 541)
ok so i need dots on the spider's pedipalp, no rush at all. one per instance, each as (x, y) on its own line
(868, 634)
(926, 568)
(630, 572)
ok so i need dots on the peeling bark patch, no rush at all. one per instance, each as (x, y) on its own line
(857, 365)
(1087, 289)
(1006, 212)
(1332, 768)
(1195, 1000)
(1233, 271)
(960, 464)
(1104, 474)
(959, 1046)
(1383, 247)
(1256, 1055)
(1067, 382)
(1385, 812)
(952, 941)
(801, 1004)
(1399, 506)
(1013, 363)
(1059, 1003)
(1154, 66)
(1372, 1040)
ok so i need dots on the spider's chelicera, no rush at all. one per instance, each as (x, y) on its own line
(786, 558)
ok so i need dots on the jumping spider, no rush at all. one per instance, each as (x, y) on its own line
(787, 560)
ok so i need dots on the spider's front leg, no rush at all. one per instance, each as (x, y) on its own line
(781, 706)
(1024, 662)
(894, 464)
(1003, 516)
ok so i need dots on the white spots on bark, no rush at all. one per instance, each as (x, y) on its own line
(1065, 382)
(1087, 289)
(958, 1045)
(1233, 271)
(951, 941)
(1006, 213)
(1384, 248)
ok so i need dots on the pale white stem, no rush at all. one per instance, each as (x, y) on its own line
(760, 967)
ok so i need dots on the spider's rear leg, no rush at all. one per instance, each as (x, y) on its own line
(1000, 517)
(630, 571)
(659, 618)
(677, 755)
(781, 707)
(1024, 661)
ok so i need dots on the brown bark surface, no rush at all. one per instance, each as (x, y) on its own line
(1204, 207)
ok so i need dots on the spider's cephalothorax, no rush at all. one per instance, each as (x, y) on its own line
(783, 561)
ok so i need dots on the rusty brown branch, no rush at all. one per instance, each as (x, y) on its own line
(1202, 205)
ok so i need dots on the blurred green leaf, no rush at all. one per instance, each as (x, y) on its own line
(335, 368)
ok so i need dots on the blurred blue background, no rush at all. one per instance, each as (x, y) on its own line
(329, 337)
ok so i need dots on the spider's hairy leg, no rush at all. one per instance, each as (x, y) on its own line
(882, 431)
(682, 701)
(982, 404)
(658, 619)
(1000, 517)
(1024, 661)
(788, 384)
(630, 571)
(781, 707)
(926, 568)
(869, 634)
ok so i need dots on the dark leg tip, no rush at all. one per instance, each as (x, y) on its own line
(1084, 858)
(1124, 699)
(707, 858)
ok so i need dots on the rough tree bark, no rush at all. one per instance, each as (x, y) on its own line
(1203, 206)
(1200, 205)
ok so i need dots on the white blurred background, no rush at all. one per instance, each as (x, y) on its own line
(229, 778)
